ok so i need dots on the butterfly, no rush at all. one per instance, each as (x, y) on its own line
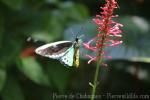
(67, 52)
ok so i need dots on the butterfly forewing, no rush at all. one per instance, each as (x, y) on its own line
(54, 50)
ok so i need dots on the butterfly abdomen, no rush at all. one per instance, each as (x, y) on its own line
(76, 58)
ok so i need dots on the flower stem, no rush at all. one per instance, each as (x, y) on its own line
(95, 79)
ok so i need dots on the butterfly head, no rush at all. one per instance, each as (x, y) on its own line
(78, 40)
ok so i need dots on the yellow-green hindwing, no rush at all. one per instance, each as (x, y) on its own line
(68, 57)
(71, 57)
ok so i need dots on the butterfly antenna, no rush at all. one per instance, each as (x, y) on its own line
(81, 36)
(72, 32)
(76, 35)
(81, 28)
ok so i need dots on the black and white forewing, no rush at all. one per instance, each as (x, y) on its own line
(54, 50)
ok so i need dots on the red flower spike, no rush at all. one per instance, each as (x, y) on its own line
(109, 32)
(91, 58)
(88, 46)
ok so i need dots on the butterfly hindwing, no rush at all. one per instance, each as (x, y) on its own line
(68, 57)
(54, 50)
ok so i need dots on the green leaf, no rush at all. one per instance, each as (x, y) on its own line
(2, 78)
(42, 36)
(53, 1)
(1, 28)
(12, 90)
(59, 76)
(14, 44)
(81, 10)
(48, 27)
(77, 12)
(136, 32)
(33, 71)
(13, 4)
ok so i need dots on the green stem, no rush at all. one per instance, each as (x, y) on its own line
(99, 60)
(95, 79)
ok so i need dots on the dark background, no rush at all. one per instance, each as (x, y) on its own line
(27, 24)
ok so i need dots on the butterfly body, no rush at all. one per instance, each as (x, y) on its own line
(76, 58)
(66, 52)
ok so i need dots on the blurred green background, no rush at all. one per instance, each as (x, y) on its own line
(27, 24)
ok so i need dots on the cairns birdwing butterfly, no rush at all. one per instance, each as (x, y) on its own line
(67, 52)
